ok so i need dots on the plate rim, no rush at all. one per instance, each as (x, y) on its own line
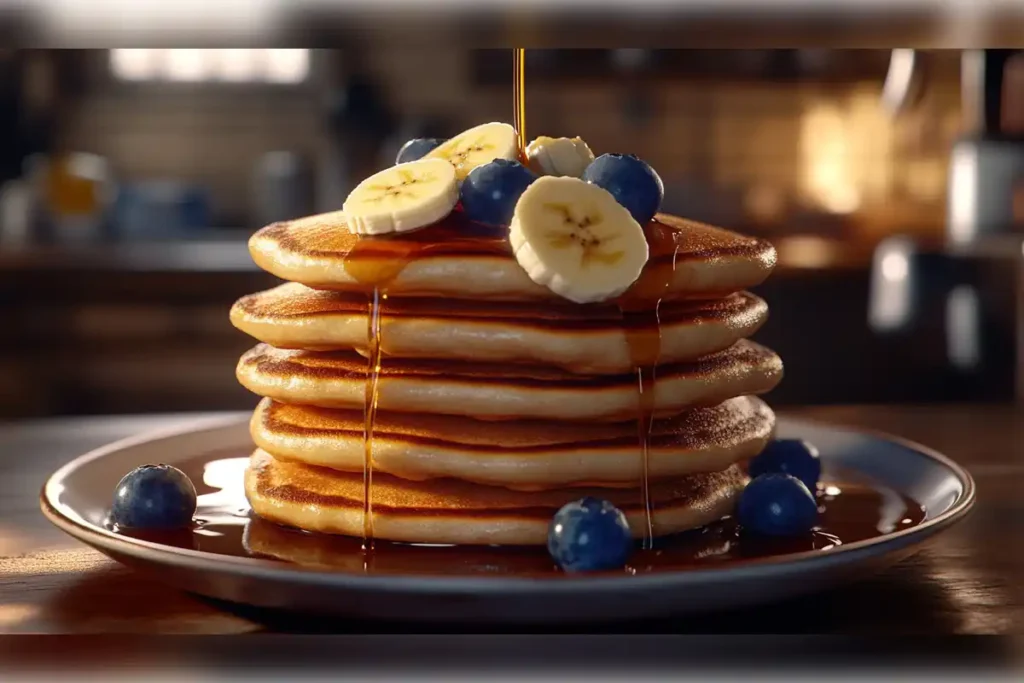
(276, 571)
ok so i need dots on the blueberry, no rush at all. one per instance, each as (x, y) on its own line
(631, 181)
(789, 456)
(490, 191)
(777, 505)
(589, 535)
(154, 497)
(417, 148)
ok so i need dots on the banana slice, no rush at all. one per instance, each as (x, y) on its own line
(559, 156)
(477, 146)
(576, 240)
(402, 198)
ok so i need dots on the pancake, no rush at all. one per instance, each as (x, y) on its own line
(492, 391)
(452, 511)
(584, 339)
(520, 454)
(459, 259)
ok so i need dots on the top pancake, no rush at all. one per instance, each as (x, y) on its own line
(460, 259)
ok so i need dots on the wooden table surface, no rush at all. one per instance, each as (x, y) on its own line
(969, 579)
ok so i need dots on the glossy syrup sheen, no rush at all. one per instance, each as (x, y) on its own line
(851, 510)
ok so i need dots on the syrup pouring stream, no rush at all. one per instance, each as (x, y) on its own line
(640, 321)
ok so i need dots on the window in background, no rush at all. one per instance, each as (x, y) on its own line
(285, 66)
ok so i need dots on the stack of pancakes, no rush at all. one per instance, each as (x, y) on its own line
(496, 402)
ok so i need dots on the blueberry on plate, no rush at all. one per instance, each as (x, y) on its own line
(789, 456)
(417, 148)
(632, 182)
(154, 497)
(777, 505)
(589, 535)
(490, 191)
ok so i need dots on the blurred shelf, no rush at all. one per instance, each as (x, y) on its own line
(494, 66)
(222, 269)
(203, 256)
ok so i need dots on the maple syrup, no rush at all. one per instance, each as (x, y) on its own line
(519, 96)
(641, 326)
(374, 263)
(639, 308)
(370, 408)
(390, 257)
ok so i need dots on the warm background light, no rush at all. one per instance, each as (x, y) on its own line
(283, 66)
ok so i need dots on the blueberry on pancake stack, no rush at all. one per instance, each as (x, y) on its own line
(503, 334)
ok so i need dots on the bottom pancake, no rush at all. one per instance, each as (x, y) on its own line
(450, 511)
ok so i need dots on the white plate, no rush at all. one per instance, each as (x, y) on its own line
(76, 498)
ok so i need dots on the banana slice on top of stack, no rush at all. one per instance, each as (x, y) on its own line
(477, 146)
(575, 239)
(559, 156)
(402, 198)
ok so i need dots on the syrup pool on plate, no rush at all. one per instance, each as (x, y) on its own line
(850, 511)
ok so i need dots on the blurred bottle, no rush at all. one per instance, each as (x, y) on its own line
(77, 192)
(27, 104)
(987, 163)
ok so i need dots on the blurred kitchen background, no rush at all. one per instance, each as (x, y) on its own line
(131, 179)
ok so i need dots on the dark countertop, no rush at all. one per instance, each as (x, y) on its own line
(965, 581)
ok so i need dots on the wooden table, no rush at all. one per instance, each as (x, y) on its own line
(969, 580)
